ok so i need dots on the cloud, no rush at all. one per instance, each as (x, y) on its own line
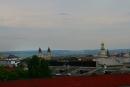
(65, 24)
(13, 15)
(46, 15)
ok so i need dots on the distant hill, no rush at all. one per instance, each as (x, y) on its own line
(60, 52)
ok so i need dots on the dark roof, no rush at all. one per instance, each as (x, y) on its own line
(12, 56)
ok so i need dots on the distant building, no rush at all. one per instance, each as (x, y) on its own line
(10, 61)
(103, 52)
(104, 59)
(127, 55)
(40, 53)
(47, 55)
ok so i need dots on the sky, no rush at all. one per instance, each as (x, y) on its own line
(64, 24)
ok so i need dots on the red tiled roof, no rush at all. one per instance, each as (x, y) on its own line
(92, 81)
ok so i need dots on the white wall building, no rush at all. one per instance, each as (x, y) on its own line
(11, 60)
(104, 58)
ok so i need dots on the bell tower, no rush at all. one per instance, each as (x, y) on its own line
(102, 46)
(40, 53)
(49, 54)
(103, 52)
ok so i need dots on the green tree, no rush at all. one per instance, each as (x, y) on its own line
(6, 74)
(22, 74)
(38, 68)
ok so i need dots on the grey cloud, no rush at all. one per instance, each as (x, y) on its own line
(63, 24)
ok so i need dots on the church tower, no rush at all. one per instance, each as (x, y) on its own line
(40, 53)
(49, 54)
(103, 52)
(102, 46)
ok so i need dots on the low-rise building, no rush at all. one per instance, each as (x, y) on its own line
(11, 61)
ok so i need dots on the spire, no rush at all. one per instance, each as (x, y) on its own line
(48, 50)
(40, 53)
(39, 50)
(108, 53)
(49, 54)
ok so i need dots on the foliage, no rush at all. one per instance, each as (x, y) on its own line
(22, 74)
(38, 68)
(5, 74)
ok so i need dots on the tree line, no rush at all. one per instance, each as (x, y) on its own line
(36, 68)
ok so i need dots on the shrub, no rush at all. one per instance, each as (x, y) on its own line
(38, 68)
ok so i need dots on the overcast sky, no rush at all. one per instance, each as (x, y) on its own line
(64, 24)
